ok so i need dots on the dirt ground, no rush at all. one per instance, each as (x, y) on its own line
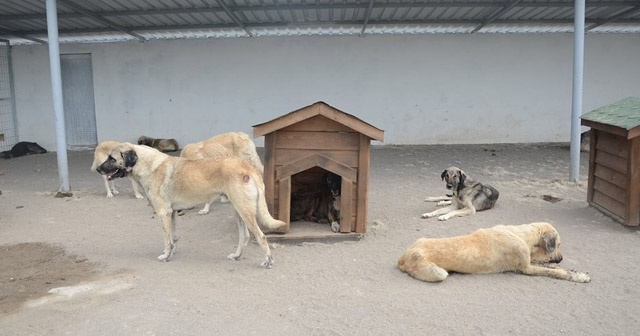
(85, 265)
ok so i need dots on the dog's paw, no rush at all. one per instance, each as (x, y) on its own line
(115, 192)
(224, 199)
(163, 257)
(233, 256)
(443, 218)
(138, 196)
(109, 195)
(579, 277)
(335, 227)
(203, 212)
(427, 215)
(267, 263)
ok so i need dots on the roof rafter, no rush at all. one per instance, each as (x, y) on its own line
(234, 17)
(614, 17)
(367, 15)
(496, 15)
(24, 36)
(71, 4)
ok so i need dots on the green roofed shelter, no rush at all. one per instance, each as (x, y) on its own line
(614, 160)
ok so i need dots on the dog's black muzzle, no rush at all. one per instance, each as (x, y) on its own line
(112, 172)
(556, 260)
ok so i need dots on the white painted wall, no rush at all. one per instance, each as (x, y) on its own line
(426, 89)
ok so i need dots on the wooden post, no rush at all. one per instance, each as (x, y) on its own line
(633, 171)
(364, 161)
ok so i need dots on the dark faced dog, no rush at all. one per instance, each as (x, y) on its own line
(174, 183)
(468, 196)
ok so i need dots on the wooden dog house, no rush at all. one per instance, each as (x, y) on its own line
(614, 160)
(313, 139)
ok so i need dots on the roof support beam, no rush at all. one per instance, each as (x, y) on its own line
(367, 15)
(615, 17)
(495, 15)
(234, 17)
(99, 18)
(22, 36)
(576, 101)
(56, 87)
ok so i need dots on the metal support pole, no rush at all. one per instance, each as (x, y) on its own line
(576, 106)
(56, 88)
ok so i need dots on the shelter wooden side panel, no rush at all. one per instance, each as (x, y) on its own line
(614, 206)
(317, 140)
(316, 161)
(592, 163)
(284, 199)
(612, 144)
(611, 161)
(610, 189)
(364, 159)
(318, 124)
(610, 175)
(269, 171)
(345, 207)
(605, 128)
(633, 200)
(346, 157)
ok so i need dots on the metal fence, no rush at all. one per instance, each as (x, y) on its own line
(8, 130)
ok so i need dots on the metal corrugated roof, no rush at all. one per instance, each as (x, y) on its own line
(24, 21)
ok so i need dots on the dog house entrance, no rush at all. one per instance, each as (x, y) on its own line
(315, 201)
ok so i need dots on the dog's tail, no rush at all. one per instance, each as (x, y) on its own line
(492, 197)
(269, 223)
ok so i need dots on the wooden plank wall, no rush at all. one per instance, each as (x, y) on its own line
(610, 176)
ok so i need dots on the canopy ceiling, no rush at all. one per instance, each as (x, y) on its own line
(93, 21)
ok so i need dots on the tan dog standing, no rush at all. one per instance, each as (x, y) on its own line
(233, 144)
(526, 249)
(99, 156)
(174, 183)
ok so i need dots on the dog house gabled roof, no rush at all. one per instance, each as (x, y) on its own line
(325, 110)
(623, 114)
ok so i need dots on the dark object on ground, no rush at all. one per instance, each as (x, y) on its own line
(585, 141)
(163, 145)
(23, 148)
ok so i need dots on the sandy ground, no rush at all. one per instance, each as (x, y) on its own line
(85, 265)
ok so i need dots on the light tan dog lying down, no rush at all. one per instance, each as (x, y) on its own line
(526, 249)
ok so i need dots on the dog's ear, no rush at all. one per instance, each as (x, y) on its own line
(130, 158)
(549, 239)
(444, 174)
(462, 176)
